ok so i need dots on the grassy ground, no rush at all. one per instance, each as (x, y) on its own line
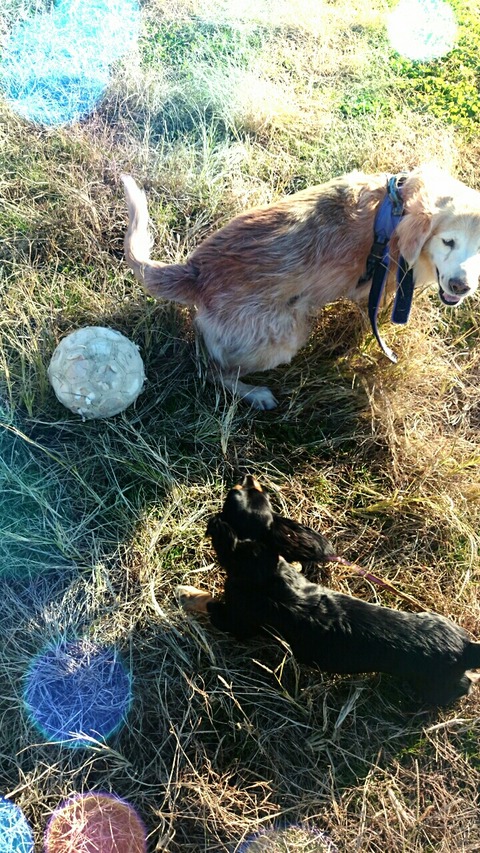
(216, 111)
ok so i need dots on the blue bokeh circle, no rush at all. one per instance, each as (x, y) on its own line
(56, 65)
(76, 692)
(15, 833)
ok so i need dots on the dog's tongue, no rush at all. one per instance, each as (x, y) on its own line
(449, 298)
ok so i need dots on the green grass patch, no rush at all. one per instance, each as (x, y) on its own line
(449, 87)
(180, 44)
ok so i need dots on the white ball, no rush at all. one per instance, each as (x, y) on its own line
(96, 372)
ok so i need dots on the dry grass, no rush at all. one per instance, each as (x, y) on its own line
(99, 521)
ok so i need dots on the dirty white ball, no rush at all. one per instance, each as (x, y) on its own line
(96, 372)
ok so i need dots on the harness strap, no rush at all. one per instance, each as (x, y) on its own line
(374, 299)
(388, 216)
(404, 294)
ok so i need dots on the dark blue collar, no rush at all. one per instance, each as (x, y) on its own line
(388, 216)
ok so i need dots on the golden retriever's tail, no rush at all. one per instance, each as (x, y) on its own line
(167, 281)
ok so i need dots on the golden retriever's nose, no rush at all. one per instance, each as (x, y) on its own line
(250, 482)
(458, 286)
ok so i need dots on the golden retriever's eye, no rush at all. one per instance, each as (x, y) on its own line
(449, 243)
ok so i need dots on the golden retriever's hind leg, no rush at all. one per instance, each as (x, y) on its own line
(192, 599)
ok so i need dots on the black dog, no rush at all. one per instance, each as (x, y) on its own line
(248, 510)
(337, 633)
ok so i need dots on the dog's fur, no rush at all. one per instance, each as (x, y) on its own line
(248, 511)
(257, 282)
(337, 633)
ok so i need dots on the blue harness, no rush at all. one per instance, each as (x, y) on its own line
(389, 215)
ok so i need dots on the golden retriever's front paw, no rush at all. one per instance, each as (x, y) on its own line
(260, 398)
(192, 599)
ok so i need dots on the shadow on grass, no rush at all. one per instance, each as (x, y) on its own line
(220, 738)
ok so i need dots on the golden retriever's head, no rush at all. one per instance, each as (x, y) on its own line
(439, 236)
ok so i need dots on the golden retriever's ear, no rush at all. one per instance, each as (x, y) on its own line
(412, 232)
(420, 195)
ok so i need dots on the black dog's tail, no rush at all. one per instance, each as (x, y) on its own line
(472, 656)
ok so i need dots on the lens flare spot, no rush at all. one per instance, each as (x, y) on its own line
(95, 822)
(422, 29)
(290, 838)
(78, 691)
(15, 833)
(56, 65)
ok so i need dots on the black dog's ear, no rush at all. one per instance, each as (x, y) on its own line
(223, 537)
(212, 523)
(298, 543)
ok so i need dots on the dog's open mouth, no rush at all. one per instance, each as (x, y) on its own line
(448, 298)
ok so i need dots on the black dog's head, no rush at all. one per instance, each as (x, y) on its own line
(248, 511)
(246, 561)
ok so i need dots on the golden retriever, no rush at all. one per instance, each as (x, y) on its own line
(257, 282)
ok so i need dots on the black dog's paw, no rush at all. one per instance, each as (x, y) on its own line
(223, 538)
(192, 599)
(320, 573)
